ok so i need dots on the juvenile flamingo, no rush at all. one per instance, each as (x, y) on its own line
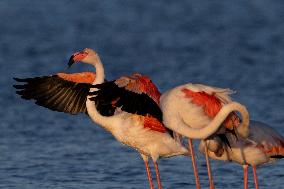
(262, 146)
(127, 107)
(197, 112)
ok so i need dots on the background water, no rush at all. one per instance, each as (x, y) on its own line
(233, 43)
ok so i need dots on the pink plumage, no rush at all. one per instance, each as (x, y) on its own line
(264, 145)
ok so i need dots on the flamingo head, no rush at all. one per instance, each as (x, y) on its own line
(87, 56)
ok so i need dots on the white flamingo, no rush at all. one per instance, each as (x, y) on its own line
(197, 112)
(126, 107)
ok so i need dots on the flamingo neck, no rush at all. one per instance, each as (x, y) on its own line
(103, 121)
(216, 123)
(100, 73)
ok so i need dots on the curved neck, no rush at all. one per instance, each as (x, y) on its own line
(105, 122)
(215, 124)
(91, 106)
(243, 129)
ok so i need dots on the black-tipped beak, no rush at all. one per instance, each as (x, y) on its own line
(71, 61)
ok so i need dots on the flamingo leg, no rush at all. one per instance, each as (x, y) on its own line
(194, 164)
(245, 168)
(211, 182)
(255, 177)
(149, 175)
(158, 175)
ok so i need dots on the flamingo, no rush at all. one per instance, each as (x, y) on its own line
(197, 111)
(127, 107)
(263, 145)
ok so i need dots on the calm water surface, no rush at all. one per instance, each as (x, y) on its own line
(236, 44)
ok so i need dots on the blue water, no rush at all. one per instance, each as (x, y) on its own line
(233, 43)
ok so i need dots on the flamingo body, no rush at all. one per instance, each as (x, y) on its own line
(262, 146)
(130, 123)
(198, 111)
(129, 129)
(211, 104)
(195, 106)
(128, 108)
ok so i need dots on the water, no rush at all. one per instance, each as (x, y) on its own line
(236, 44)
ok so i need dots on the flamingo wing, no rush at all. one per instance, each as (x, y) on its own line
(135, 94)
(139, 84)
(62, 92)
(109, 97)
(267, 139)
(211, 99)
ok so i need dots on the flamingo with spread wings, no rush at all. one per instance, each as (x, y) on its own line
(262, 146)
(197, 112)
(127, 107)
(134, 117)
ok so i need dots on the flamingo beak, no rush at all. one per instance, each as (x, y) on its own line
(76, 57)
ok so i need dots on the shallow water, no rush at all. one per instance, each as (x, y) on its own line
(236, 44)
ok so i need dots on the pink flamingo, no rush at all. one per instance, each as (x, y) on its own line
(197, 112)
(262, 146)
(127, 107)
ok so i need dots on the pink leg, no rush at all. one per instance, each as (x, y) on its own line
(255, 177)
(194, 164)
(211, 182)
(158, 175)
(149, 174)
(245, 168)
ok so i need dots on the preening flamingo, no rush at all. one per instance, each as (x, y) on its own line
(127, 107)
(262, 146)
(197, 112)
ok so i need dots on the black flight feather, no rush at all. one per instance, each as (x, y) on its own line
(55, 93)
